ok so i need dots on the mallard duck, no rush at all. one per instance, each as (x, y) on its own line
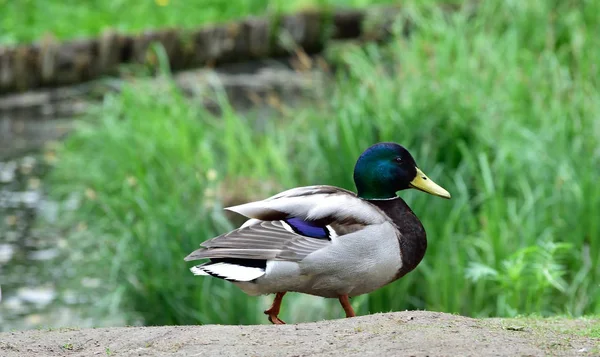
(325, 240)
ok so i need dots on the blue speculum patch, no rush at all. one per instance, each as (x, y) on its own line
(308, 228)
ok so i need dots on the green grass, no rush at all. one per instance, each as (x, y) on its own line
(501, 110)
(591, 332)
(28, 20)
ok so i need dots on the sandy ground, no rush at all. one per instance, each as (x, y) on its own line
(410, 333)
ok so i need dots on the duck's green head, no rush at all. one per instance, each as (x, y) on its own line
(386, 168)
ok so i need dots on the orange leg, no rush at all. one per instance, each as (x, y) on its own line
(273, 311)
(345, 301)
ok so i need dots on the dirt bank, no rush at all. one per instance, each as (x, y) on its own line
(410, 333)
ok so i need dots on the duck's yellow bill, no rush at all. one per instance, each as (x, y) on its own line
(423, 183)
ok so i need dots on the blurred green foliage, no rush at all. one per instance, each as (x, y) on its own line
(501, 109)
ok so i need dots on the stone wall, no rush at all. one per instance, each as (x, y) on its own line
(49, 63)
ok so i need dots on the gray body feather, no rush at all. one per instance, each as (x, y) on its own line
(361, 254)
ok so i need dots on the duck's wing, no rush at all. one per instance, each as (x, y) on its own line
(313, 203)
(291, 225)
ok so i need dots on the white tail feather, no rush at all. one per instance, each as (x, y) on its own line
(197, 270)
(229, 271)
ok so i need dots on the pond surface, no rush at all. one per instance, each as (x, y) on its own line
(31, 252)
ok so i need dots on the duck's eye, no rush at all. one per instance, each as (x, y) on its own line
(398, 159)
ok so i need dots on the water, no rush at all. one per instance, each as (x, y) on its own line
(30, 251)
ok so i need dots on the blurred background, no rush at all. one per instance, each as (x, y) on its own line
(106, 185)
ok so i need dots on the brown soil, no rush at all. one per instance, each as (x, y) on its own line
(409, 333)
